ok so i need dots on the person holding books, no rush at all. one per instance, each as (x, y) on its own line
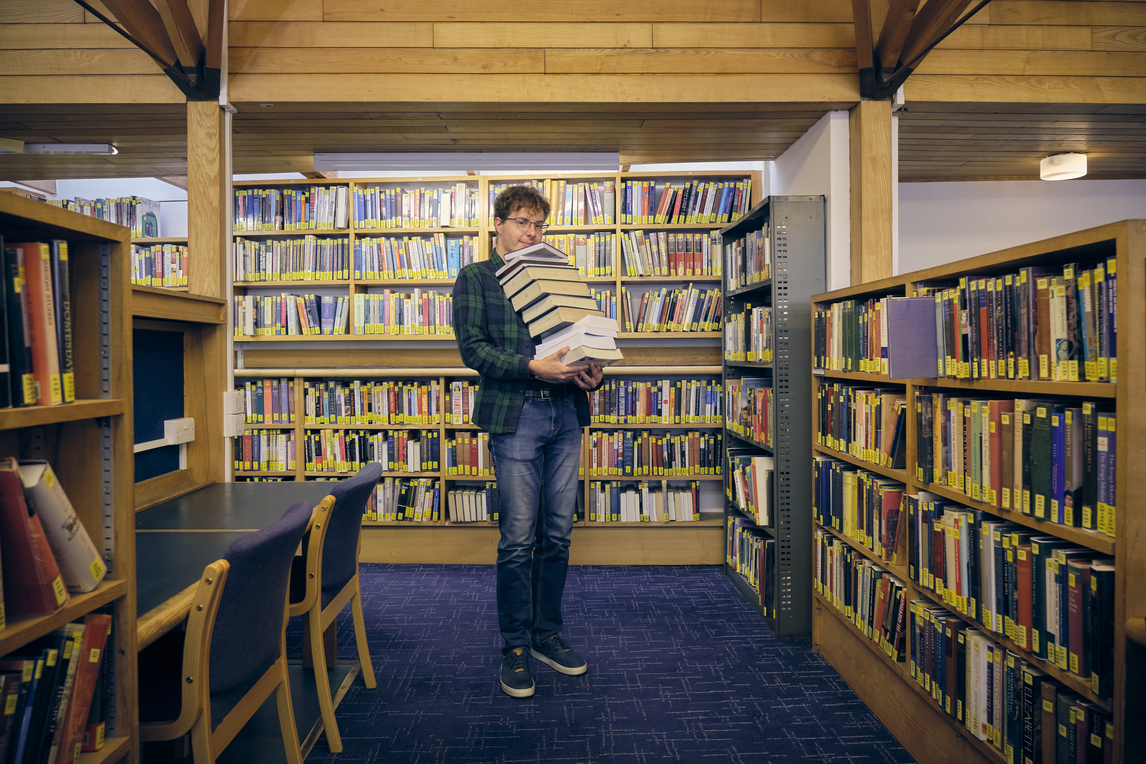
(534, 410)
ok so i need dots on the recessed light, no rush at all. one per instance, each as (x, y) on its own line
(1063, 166)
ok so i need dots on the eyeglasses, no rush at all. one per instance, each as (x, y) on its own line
(525, 223)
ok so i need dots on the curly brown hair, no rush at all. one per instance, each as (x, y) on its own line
(519, 198)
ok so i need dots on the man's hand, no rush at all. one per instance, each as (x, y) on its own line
(552, 370)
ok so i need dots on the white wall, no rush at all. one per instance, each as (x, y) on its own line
(943, 222)
(818, 164)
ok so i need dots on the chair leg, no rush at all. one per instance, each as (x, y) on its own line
(360, 638)
(286, 716)
(322, 680)
(201, 739)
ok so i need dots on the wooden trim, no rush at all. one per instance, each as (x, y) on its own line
(181, 30)
(893, 35)
(861, 16)
(871, 186)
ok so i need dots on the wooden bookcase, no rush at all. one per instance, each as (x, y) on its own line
(647, 355)
(88, 442)
(793, 230)
(887, 686)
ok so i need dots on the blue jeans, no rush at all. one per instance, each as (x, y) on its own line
(536, 470)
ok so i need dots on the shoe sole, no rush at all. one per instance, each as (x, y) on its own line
(558, 667)
(514, 693)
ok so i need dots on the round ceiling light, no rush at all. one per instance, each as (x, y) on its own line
(1063, 167)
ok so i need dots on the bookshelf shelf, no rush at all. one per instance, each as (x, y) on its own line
(900, 667)
(899, 571)
(37, 416)
(1090, 539)
(114, 749)
(21, 630)
(649, 478)
(735, 507)
(348, 473)
(747, 289)
(421, 356)
(748, 440)
(264, 473)
(750, 595)
(171, 305)
(900, 475)
(748, 364)
(1120, 247)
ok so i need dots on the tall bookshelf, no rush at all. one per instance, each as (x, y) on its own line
(648, 355)
(791, 230)
(89, 441)
(888, 685)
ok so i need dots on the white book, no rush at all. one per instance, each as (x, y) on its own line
(572, 340)
(80, 562)
(540, 253)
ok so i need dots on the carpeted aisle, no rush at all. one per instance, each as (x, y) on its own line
(680, 670)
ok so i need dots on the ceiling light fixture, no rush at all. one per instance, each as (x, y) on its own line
(423, 162)
(70, 148)
(1063, 166)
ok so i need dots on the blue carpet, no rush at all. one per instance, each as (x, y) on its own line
(680, 670)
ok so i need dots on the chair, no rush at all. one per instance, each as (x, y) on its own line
(325, 578)
(234, 649)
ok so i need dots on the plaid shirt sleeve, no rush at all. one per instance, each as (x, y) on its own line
(485, 331)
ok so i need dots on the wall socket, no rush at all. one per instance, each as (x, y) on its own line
(179, 430)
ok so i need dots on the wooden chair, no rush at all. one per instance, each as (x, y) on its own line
(234, 650)
(325, 579)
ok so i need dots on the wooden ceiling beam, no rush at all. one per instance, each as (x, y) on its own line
(180, 25)
(935, 19)
(861, 13)
(177, 181)
(47, 186)
(140, 19)
(892, 36)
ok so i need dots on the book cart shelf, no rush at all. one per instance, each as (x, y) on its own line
(434, 357)
(791, 229)
(88, 442)
(887, 685)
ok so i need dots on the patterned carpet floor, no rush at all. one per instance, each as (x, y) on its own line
(680, 670)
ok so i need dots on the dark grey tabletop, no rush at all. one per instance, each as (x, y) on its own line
(229, 506)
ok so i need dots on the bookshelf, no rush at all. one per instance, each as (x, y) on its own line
(894, 689)
(774, 260)
(650, 355)
(88, 442)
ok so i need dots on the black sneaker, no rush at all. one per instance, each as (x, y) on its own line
(560, 656)
(516, 681)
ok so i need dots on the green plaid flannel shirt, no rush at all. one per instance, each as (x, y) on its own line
(495, 343)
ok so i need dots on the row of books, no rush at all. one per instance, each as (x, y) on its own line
(869, 424)
(591, 253)
(269, 401)
(749, 260)
(673, 310)
(139, 214)
(393, 312)
(606, 302)
(371, 401)
(851, 335)
(1053, 459)
(868, 596)
(414, 500)
(473, 505)
(290, 314)
(748, 407)
(658, 401)
(36, 343)
(263, 450)
(1000, 697)
(863, 506)
(306, 258)
(350, 450)
(52, 697)
(752, 554)
(661, 253)
(467, 454)
(646, 202)
(45, 551)
(1052, 323)
(1049, 597)
(749, 484)
(627, 453)
(748, 335)
(160, 265)
(300, 208)
(570, 202)
(413, 257)
(460, 401)
(645, 502)
(453, 206)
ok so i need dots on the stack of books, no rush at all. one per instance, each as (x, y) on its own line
(556, 306)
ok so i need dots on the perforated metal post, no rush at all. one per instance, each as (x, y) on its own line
(106, 452)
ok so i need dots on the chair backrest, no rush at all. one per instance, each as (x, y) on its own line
(340, 553)
(247, 637)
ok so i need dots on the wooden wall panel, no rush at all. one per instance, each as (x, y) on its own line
(332, 34)
(274, 10)
(448, 34)
(699, 61)
(1118, 38)
(1067, 13)
(385, 60)
(980, 37)
(566, 10)
(66, 36)
(1059, 63)
(767, 35)
(40, 12)
(77, 62)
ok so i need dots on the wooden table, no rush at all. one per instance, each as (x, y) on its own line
(175, 540)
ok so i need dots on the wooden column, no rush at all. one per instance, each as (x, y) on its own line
(207, 186)
(871, 203)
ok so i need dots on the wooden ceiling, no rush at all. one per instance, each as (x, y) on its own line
(937, 142)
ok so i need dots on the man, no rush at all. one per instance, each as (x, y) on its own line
(534, 411)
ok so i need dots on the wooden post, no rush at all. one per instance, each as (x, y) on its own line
(871, 203)
(206, 197)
